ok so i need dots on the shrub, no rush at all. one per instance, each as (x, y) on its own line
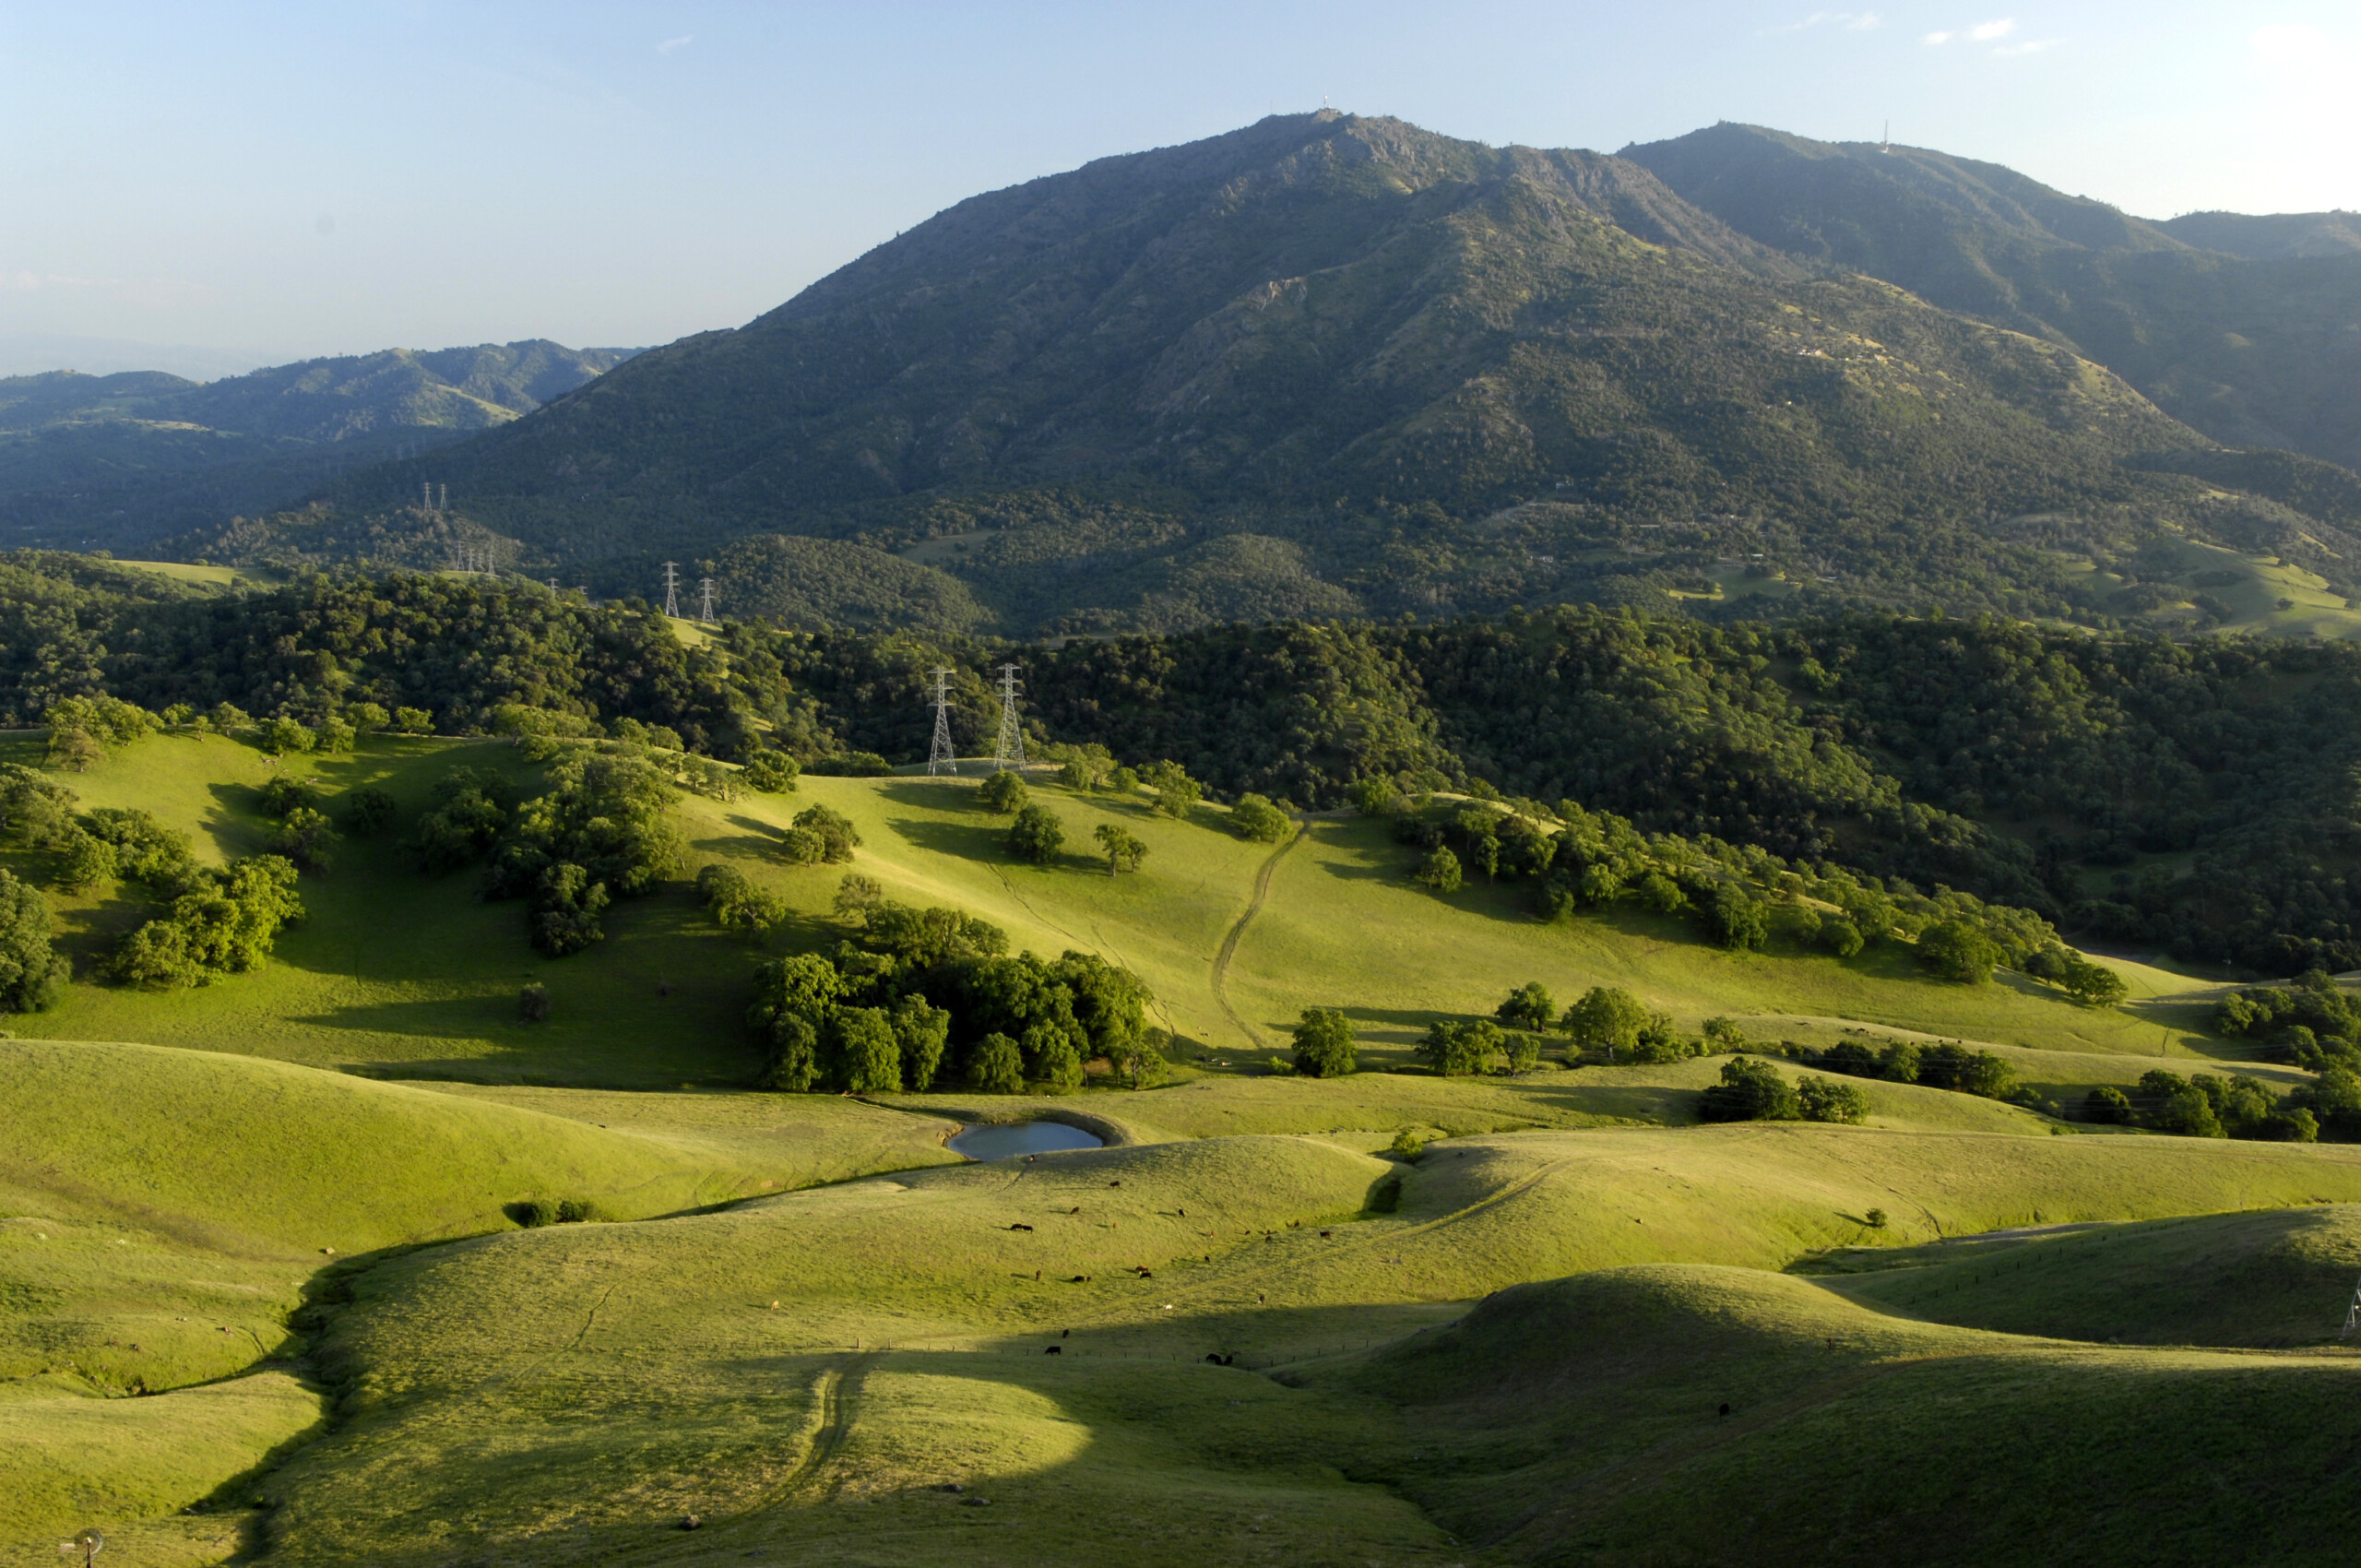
(1659, 894)
(1177, 795)
(1958, 950)
(368, 811)
(1459, 1050)
(306, 837)
(1529, 1006)
(1408, 1145)
(284, 793)
(831, 830)
(1723, 1034)
(1876, 1219)
(1954, 1067)
(995, 1066)
(1750, 1091)
(851, 765)
(2107, 1106)
(1439, 871)
(1035, 835)
(1611, 1021)
(773, 773)
(737, 903)
(32, 975)
(1841, 937)
(1003, 793)
(1734, 920)
(284, 737)
(534, 1213)
(576, 1211)
(1372, 796)
(1257, 819)
(1825, 1100)
(1324, 1047)
(1124, 851)
(533, 1001)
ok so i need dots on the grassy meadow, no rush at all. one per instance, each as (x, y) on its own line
(264, 1296)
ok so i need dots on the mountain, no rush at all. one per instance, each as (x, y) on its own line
(124, 458)
(1398, 371)
(2248, 328)
(2272, 237)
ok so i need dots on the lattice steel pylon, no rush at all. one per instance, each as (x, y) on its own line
(2352, 1314)
(673, 589)
(705, 606)
(940, 757)
(1010, 752)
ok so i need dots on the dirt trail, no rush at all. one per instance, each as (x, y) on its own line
(1230, 942)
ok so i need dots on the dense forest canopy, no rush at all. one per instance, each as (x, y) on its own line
(2194, 796)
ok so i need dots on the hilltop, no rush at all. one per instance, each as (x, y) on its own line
(1329, 364)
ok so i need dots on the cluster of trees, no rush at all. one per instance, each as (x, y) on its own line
(2206, 1105)
(916, 996)
(1756, 1092)
(1942, 1066)
(2025, 767)
(1742, 896)
(2310, 1023)
(601, 829)
(221, 921)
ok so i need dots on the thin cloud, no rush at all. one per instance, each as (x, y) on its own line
(1849, 22)
(670, 44)
(2030, 46)
(1982, 32)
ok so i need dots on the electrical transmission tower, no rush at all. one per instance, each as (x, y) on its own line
(704, 607)
(2352, 1314)
(941, 758)
(672, 589)
(1010, 753)
(443, 497)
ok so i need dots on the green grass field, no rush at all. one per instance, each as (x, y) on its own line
(257, 1258)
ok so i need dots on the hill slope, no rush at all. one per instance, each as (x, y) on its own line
(2241, 326)
(122, 460)
(1352, 336)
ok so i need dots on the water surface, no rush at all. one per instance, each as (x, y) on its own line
(999, 1140)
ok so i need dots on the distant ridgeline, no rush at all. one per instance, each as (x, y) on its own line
(1328, 366)
(2195, 796)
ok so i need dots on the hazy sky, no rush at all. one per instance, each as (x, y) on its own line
(286, 181)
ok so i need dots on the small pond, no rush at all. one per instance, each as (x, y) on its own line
(999, 1140)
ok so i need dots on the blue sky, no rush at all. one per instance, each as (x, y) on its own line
(282, 180)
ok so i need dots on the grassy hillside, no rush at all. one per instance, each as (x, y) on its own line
(406, 975)
(1656, 1415)
(806, 1366)
(895, 1328)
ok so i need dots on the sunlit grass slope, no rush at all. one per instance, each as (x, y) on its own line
(164, 1214)
(404, 975)
(1674, 1415)
(798, 1365)
(71, 1461)
(2276, 1277)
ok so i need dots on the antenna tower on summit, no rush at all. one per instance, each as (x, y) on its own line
(705, 606)
(940, 757)
(1886, 142)
(673, 589)
(1010, 753)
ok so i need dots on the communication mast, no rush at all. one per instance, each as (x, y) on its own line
(672, 589)
(1010, 752)
(941, 758)
(705, 607)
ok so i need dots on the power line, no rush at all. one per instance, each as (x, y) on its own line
(1010, 752)
(941, 758)
(673, 589)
